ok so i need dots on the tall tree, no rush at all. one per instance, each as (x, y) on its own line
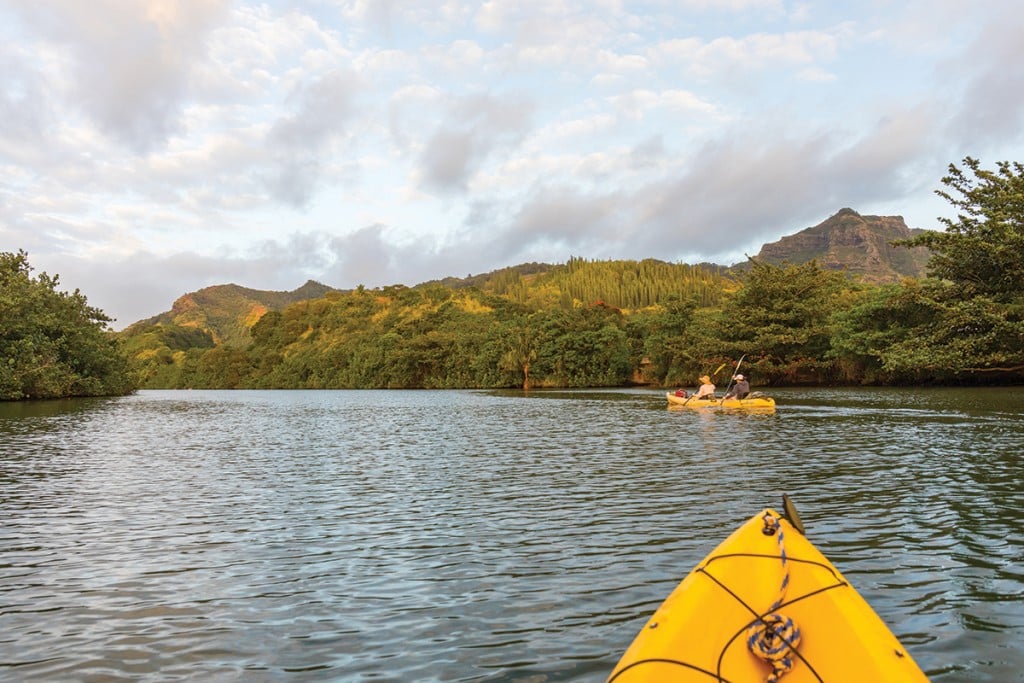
(521, 350)
(877, 340)
(662, 340)
(779, 319)
(981, 252)
(976, 276)
(52, 343)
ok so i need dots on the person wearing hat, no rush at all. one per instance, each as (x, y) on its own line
(706, 391)
(740, 389)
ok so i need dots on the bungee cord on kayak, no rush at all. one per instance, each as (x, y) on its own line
(714, 626)
(775, 637)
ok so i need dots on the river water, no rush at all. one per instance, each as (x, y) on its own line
(480, 536)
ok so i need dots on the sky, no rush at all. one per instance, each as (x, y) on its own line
(150, 148)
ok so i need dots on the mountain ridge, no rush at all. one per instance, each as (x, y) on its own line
(228, 311)
(857, 244)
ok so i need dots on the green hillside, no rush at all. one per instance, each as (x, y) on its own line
(225, 312)
(453, 334)
(842, 302)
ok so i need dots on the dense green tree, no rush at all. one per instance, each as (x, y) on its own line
(584, 346)
(981, 252)
(882, 326)
(521, 342)
(661, 337)
(779, 319)
(976, 280)
(157, 351)
(52, 343)
(223, 367)
(633, 284)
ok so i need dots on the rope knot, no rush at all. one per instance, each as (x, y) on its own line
(774, 637)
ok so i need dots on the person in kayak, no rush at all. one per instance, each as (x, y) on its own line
(740, 389)
(706, 392)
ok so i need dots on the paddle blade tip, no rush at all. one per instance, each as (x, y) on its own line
(789, 507)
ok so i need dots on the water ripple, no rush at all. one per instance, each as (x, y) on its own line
(471, 536)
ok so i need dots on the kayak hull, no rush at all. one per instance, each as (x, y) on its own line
(760, 403)
(700, 632)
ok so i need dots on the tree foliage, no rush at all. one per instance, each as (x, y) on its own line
(607, 323)
(52, 343)
(780, 319)
(975, 288)
(981, 252)
(875, 340)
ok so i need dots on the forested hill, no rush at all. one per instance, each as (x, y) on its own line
(224, 315)
(319, 320)
(858, 312)
(858, 245)
(628, 285)
(227, 312)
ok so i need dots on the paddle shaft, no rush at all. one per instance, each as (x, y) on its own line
(735, 372)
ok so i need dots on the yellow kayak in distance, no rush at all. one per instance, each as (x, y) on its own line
(765, 605)
(756, 403)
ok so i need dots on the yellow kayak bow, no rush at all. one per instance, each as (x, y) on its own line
(765, 605)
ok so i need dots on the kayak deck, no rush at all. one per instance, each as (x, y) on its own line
(759, 403)
(701, 631)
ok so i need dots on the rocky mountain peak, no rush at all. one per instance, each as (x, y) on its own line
(860, 245)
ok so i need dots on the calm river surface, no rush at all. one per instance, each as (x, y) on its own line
(480, 536)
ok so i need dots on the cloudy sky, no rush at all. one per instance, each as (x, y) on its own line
(149, 148)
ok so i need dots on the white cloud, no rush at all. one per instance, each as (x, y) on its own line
(637, 103)
(746, 56)
(125, 64)
(474, 128)
(174, 145)
(990, 104)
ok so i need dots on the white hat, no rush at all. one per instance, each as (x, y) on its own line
(739, 376)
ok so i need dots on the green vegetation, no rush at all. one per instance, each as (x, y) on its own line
(579, 324)
(227, 312)
(781, 320)
(53, 344)
(399, 337)
(610, 323)
(974, 293)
